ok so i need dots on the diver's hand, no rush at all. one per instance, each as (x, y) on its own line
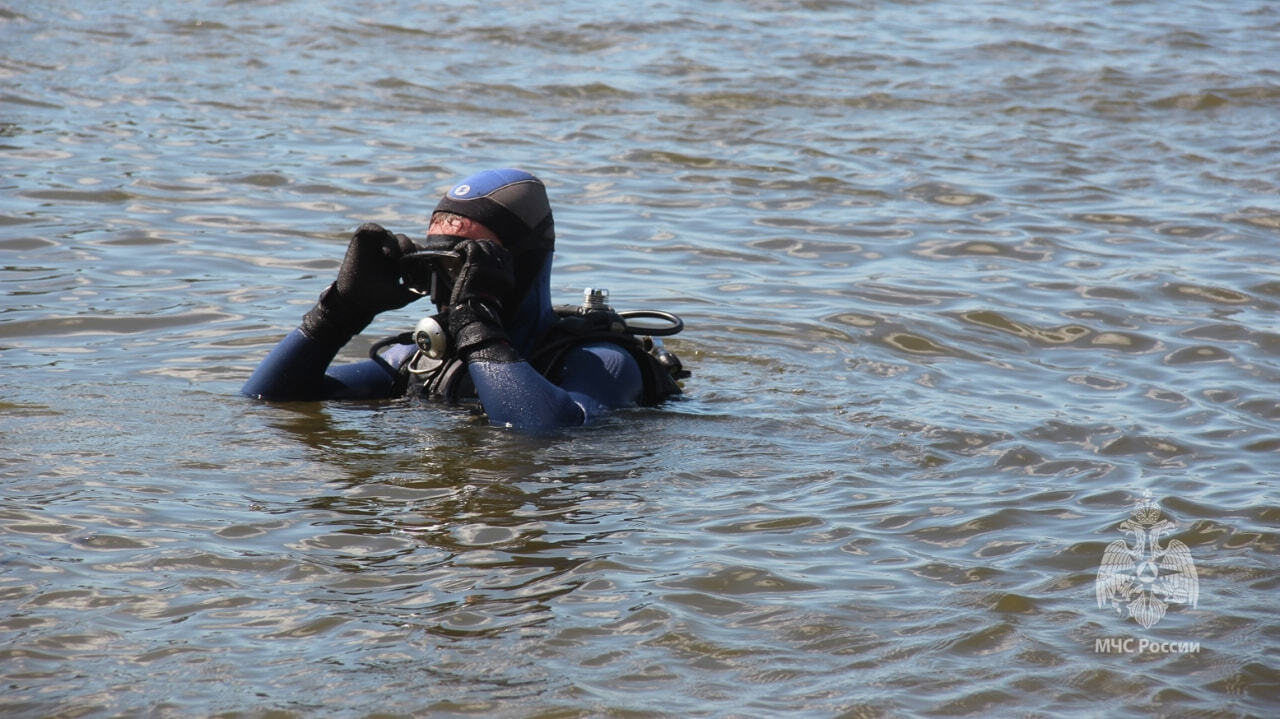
(483, 286)
(487, 273)
(370, 274)
(368, 283)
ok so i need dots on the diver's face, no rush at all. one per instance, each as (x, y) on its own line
(444, 224)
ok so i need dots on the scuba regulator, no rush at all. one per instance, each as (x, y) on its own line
(596, 299)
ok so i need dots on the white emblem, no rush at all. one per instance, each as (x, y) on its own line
(461, 190)
(1146, 578)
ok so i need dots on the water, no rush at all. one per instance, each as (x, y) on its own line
(961, 281)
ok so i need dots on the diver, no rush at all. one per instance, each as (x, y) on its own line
(496, 337)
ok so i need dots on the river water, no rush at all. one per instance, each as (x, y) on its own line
(962, 281)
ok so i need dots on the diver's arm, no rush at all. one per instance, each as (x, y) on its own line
(368, 283)
(299, 369)
(597, 378)
(511, 391)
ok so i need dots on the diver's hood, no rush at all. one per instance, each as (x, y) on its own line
(514, 204)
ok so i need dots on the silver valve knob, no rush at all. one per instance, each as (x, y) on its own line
(595, 298)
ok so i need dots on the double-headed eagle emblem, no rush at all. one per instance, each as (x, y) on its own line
(1146, 578)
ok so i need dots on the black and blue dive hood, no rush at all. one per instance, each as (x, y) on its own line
(510, 202)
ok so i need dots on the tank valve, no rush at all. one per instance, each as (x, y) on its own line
(595, 298)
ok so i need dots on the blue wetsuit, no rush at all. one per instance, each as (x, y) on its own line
(595, 378)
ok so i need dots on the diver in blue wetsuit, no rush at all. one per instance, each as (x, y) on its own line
(486, 264)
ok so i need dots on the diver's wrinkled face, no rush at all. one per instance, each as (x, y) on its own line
(458, 226)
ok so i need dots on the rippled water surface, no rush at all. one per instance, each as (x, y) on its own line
(962, 280)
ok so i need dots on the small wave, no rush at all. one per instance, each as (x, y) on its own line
(1264, 95)
(104, 324)
(109, 196)
(1027, 251)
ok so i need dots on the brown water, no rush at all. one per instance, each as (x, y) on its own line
(962, 280)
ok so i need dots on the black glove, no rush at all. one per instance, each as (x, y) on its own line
(368, 283)
(481, 290)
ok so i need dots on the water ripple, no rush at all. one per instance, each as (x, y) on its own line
(958, 288)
